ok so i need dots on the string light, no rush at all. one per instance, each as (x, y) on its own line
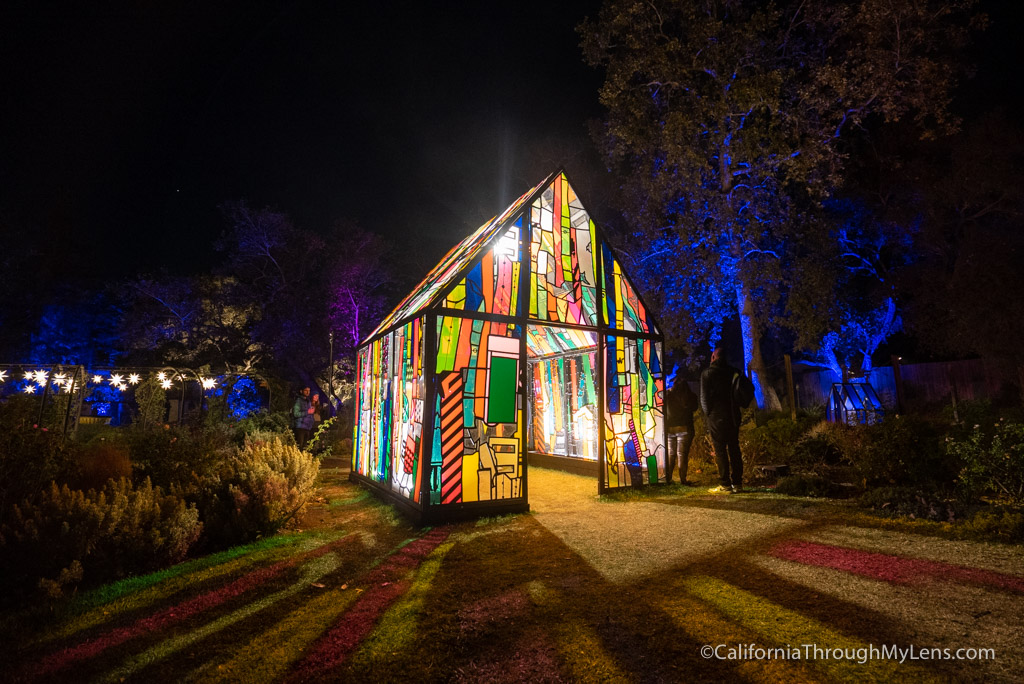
(161, 376)
(3, 375)
(116, 379)
(29, 389)
(28, 375)
(209, 383)
(166, 384)
(133, 379)
(97, 379)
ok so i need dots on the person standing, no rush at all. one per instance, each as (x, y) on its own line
(723, 419)
(302, 417)
(680, 403)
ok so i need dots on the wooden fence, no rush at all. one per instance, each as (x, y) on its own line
(924, 384)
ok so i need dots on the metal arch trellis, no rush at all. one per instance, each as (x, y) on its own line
(65, 386)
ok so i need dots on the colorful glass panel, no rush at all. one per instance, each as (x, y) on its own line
(477, 454)
(390, 400)
(492, 285)
(564, 408)
(563, 284)
(621, 307)
(634, 414)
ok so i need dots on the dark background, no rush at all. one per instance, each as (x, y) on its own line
(125, 124)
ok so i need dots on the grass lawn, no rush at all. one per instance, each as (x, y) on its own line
(628, 587)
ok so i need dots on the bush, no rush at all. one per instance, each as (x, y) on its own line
(992, 464)
(102, 461)
(824, 444)
(256, 491)
(902, 451)
(67, 535)
(263, 422)
(805, 485)
(30, 457)
(1004, 525)
(773, 437)
(173, 457)
(926, 503)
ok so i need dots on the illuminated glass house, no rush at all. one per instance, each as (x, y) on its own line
(526, 344)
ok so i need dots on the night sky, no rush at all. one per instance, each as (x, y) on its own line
(126, 124)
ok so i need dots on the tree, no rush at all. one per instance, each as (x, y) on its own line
(728, 121)
(966, 292)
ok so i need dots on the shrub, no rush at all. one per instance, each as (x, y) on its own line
(926, 503)
(257, 490)
(824, 444)
(67, 535)
(805, 485)
(102, 461)
(30, 457)
(1004, 525)
(773, 437)
(993, 464)
(172, 457)
(262, 422)
(902, 451)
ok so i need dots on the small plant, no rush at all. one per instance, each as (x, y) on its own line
(923, 503)
(805, 485)
(993, 464)
(257, 490)
(66, 535)
(318, 442)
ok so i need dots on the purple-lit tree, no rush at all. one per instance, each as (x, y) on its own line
(728, 124)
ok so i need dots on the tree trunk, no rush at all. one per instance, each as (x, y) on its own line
(753, 363)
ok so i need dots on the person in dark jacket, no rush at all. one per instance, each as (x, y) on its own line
(302, 417)
(723, 419)
(680, 403)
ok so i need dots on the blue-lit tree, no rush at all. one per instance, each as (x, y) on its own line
(728, 123)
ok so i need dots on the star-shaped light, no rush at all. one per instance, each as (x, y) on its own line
(28, 375)
(3, 375)
(68, 384)
(209, 383)
(133, 379)
(116, 379)
(29, 389)
(161, 376)
(60, 376)
(166, 384)
(97, 379)
(39, 376)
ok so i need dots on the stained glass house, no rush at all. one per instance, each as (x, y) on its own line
(527, 344)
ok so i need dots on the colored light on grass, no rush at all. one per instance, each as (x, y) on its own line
(889, 568)
(314, 570)
(782, 626)
(385, 584)
(172, 614)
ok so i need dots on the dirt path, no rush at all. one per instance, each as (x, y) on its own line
(581, 589)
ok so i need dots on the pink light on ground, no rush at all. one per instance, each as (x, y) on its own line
(889, 568)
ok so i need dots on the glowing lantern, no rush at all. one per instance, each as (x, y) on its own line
(133, 379)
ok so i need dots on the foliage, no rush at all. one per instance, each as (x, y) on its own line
(150, 403)
(805, 485)
(970, 198)
(729, 121)
(924, 503)
(1004, 525)
(773, 436)
(993, 464)
(244, 399)
(30, 457)
(254, 492)
(174, 456)
(320, 444)
(66, 536)
(903, 451)
(277, 422)
(824, 444)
